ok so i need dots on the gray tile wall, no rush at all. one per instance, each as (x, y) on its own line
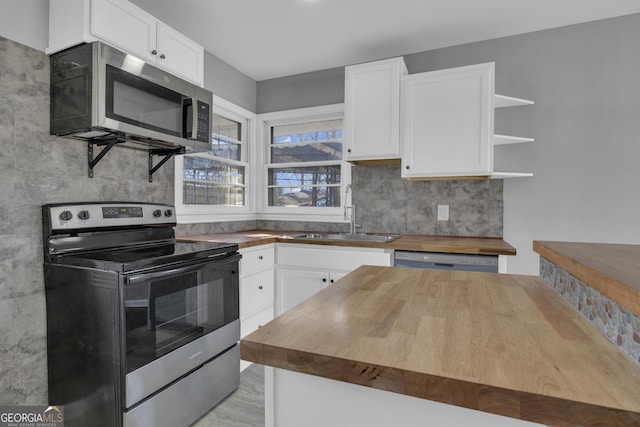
(36, 168)
(387, 203)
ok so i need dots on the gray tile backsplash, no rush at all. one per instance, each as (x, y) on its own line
(37, 168)
(386, 203)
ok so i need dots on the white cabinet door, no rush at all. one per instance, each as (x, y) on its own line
(294, 286)
(121, 24)
(372, 110)
(180, 54)
(334, 277)
(447, 122)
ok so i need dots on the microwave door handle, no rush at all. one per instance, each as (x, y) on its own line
(187, 128)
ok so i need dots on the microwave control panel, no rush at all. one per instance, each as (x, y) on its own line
(204, 128)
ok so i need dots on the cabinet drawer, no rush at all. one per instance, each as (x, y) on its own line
(256, 259)
(331, 259)
(256, 321)
(256, 292)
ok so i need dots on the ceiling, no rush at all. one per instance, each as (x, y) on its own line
(266, 39)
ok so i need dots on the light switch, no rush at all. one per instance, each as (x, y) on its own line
(443, 212)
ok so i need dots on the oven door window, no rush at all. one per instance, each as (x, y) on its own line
(139, 102)
(164, 313)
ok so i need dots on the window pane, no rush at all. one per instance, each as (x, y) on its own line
(226, 149)
(226, 127)
(200, 193)
(305, 196)
(303, 142)
(225, 141)
(204, 169)
(312, 131)
(306, 153)
(301, 176)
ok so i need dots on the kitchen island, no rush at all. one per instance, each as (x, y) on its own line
(454, 348)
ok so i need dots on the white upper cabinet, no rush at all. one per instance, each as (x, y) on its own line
(372, 110)
(447, 126)
(123, 25)
(179, 53)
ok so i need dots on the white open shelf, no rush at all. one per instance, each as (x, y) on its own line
(501, 101)
(507, 139)
(503, 175)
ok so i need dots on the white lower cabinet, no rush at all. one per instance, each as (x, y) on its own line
(295, 286)
(304, 270)
(256, 289)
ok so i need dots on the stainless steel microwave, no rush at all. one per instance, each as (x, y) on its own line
(100, 93)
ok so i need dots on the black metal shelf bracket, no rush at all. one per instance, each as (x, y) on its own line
(168, 153)
(108, 145)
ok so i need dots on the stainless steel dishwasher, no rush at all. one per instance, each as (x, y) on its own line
(446, 261)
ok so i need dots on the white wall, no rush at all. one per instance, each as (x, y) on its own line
(26, 22)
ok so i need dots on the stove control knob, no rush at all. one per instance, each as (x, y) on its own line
(66, 215)
(157, 213)
(84, 215)
(168, 212)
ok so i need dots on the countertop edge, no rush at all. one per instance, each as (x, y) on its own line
(601, 282)
(495, 400)
(456, 246)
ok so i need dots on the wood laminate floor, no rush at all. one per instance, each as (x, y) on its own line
(243, 408)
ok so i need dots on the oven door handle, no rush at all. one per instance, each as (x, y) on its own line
(213, 261)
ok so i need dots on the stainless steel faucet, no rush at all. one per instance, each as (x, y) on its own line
(350, 211)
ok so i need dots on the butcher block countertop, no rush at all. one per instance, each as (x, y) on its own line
(503, 344)
(611, 269)
(409, 242)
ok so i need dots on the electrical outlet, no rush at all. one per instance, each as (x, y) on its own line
(443, 212)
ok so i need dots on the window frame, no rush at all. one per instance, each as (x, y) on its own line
(186, 213)
(294, 213)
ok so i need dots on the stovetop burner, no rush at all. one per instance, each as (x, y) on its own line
(119, 236)
(139, 258)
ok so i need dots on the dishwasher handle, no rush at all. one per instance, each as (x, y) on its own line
(442, 264)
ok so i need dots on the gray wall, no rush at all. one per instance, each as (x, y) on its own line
(228, 83)
(26, 21)
(301, 90)
(584, 80)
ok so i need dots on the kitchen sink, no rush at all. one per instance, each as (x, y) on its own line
(355, 237)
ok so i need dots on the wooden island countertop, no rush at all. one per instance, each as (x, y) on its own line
(407, 242)
(502, 344)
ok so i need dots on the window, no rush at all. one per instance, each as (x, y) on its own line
(304, 168)
(217, 177)
(212, 183)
